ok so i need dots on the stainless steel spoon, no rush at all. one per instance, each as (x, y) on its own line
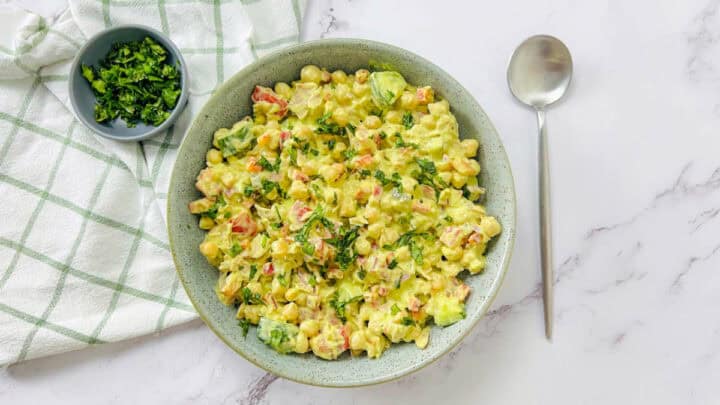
(539, 73)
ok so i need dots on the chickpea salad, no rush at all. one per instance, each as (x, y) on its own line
(340, 214)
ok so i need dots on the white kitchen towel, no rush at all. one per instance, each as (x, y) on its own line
(84, 257)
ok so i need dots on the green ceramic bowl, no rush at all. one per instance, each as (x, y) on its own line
(232, 102)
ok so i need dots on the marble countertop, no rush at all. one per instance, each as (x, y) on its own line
(636, 204)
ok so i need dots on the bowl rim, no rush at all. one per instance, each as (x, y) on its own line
(153, 131)
(506, 257)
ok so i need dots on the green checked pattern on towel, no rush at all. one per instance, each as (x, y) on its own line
(84, 257)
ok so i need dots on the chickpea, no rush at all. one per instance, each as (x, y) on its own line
(490, 226)
(325, 76)
(332, 172)
(389, 236)
(303, 131)
(422, 340)
(340, 116)
(228, 179)
(292, 293)
(372, 214)
(290, 312)
(408, 100)
(363, 246)
(359, 89)
(206, 223)
(466, 167)
(301, 298)
(209, 249)
(342, 93)
(458, 180)
(298, 190)
(339, 76)
(277, 289)
(310, 74)
(214, 157)
(439, 108)
(362, 75)
(357, 340)
(312, 301)
(446, 176)
(282, 89)
(372, 122)
(393, 117)
(428, 121)
(452, 254)
(310, 327)
(402, 253)
(252, 313)
(301, 343)
(469, 147)
(437, 282)
(374, 230)
(476, 265)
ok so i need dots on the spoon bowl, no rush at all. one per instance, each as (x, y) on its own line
(540, 71)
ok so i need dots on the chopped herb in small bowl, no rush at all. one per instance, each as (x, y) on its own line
(128, 83)
(134, 82)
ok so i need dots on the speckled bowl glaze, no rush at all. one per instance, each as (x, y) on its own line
(231, 103)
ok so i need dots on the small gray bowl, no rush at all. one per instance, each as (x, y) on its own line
(95, 50)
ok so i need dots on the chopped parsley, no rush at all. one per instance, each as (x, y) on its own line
(400, 142)
(428, 175)
(248, 191)
(235, 249)
(135, 82)
(325, 127)
(268, 186)
(250, 297)
(407, 120)
(393, 263)
(331, 144)
(394, 309)
(426, 165)
(394, 180)
(292, 152)
(339, 305)
(343, 242)
(234, 142)
(416, 252)
(349, 153)
(308, 248)
(245, 326)
(277, 337)
(212, 212)
(407, 321)
(266, 165)
(317, 216)
(407, 239)
(253, 271)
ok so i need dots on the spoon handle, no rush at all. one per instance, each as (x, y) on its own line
(546, 261)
